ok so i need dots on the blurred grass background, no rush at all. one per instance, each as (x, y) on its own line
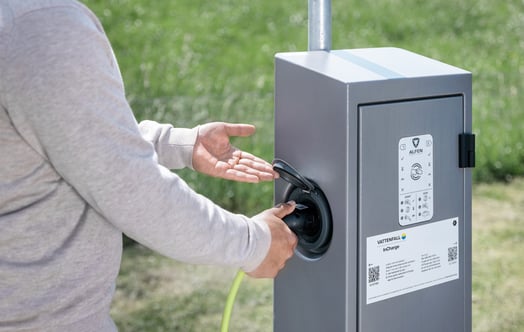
(188, 62)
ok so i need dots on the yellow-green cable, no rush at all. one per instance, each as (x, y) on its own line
(226, 316)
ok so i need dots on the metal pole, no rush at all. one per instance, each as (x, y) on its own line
(319, 25)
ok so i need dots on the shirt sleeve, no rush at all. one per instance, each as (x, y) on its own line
(65, 95)
(174, 146)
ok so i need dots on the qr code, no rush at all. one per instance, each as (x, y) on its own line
(373, 274)
(452, 254)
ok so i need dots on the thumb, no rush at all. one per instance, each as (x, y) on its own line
(283, 209)
(233, 129)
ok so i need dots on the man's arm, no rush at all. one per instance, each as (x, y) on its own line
(207, 149)
(66, 98)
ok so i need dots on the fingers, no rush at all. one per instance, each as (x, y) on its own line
(245, 166)
(261, 175)
(293, 242)
(241, 176)
(239, 129)
(249, 160)
(283, 242)
(283, 209)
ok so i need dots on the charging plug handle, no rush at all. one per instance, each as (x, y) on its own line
(311, 219)
(304, 222)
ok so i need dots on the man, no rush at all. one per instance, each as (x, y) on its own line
(77, 170)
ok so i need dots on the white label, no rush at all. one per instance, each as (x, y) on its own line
(411, 259)
(415, 179)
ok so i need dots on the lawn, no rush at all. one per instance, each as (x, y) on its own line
(158, 294)
(192, 61)
(498, 244)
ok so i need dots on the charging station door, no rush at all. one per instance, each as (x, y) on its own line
(412, 217)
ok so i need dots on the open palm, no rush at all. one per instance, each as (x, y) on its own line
(214, 155)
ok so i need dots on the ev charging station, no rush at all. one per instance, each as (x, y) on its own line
(375, 146)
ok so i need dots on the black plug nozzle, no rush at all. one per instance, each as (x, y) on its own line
(303, 222)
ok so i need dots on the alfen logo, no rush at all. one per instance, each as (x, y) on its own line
(416, 150)
(415, 141)
(404, 236)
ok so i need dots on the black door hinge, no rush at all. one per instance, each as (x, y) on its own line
(466, 150)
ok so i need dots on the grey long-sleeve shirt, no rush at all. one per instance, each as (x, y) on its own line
(77, 170)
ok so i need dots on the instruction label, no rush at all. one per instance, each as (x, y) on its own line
(415, 179)
(411, 259)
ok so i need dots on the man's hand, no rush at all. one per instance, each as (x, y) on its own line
(283, 241)
(214, 155)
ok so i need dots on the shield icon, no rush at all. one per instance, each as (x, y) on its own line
(415, 141)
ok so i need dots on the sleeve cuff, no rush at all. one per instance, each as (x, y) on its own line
(173, 146)
(179, 150)
(260, 241)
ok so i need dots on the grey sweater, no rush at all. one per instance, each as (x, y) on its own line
(76, 171)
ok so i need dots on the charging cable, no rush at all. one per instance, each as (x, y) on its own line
(226, 316)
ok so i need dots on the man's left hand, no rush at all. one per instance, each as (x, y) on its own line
(214, 155)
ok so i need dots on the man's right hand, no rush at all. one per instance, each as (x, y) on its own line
(283, 241)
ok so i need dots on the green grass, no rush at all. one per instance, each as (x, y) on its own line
(192, 61)
(498, 244)
(157, 294)
(163, 295)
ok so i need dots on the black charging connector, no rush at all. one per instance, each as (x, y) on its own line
(311, 219)
(303, 221)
